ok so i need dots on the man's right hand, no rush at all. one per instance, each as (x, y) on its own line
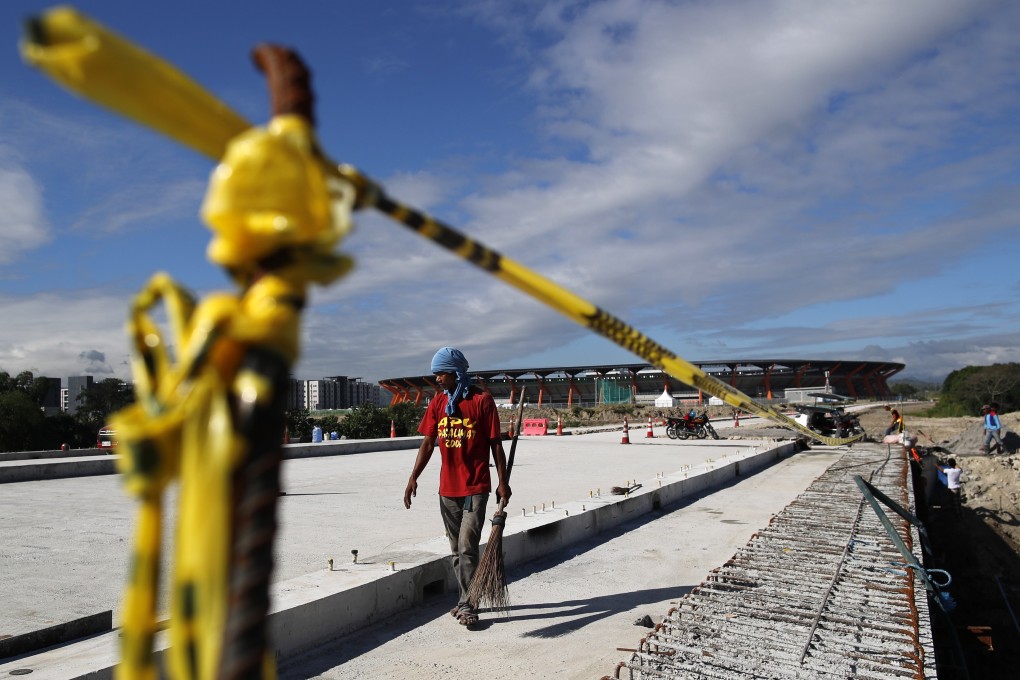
(409, 491)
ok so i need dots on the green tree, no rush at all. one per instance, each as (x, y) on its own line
(368, 421)
(100, 400)
(21, 421)
(996, 383)
(329, 424)
(966, 389)
(26, 383)
(406, 417)
(299, 425)
(63, 428)
(904, 389)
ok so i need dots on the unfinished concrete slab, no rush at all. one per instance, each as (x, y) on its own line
(334, 505)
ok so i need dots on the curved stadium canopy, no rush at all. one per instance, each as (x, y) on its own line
(766, 379)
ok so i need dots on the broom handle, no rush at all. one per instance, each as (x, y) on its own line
(513, 445)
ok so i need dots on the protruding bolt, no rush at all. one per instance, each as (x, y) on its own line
(330, 563)
(355, 553)
(393, 566)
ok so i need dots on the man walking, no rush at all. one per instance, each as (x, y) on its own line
(993, 428)
(464, 420)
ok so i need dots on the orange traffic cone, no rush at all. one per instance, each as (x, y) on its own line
(736, 419)
(626, 431)
(559, 426)
(650, 434)
(393, 430)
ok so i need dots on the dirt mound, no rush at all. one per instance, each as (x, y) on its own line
(972, 439)
(991, 484)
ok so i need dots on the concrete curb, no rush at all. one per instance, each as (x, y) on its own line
(58, 634)
(317, 607)
(56, 453)
(36, 470)
(33, 466)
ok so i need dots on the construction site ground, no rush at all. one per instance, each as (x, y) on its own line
(574, 615)
(981, 547)
(574, 612)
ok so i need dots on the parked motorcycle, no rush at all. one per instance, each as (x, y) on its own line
(690, 425)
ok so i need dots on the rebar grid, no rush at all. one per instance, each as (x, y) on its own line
(821, 592)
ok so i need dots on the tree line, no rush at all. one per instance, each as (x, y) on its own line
(367, 421)
(966, 390)
(25, 427)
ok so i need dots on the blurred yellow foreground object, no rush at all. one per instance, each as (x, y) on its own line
(98, 64)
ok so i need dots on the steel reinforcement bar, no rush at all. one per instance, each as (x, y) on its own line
(821, 592)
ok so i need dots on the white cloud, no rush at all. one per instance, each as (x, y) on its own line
(23, 223)
(706, 168)
(143, 204)
(732, 148)
(62, 334)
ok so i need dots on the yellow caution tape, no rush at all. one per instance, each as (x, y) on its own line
(93, 61)
(571, 305)
(274, 190)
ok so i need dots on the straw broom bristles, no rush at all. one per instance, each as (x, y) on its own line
(489, 583)
(624, 490)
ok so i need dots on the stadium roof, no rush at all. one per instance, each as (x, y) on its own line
(615, 383)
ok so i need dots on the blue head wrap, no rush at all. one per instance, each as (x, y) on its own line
(450, 360)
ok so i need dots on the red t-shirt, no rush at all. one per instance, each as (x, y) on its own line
(464, 442)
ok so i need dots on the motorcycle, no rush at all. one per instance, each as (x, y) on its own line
(690, 425)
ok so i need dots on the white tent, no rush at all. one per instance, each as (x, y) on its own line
(665, 400)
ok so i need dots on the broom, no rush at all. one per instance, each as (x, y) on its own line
(625, 490)
(489, 582)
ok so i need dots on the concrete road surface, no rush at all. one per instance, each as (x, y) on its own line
(573, 612)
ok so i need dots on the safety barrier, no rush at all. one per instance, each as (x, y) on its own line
(536, 427)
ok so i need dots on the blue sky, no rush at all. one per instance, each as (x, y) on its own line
(774, 179)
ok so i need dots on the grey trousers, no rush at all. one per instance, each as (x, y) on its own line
(993, 434)
(464, 529)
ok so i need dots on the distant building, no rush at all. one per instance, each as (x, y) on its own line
(295, 395)
(333, 392)
(358, 392)
(52, 401)
(76, 386)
